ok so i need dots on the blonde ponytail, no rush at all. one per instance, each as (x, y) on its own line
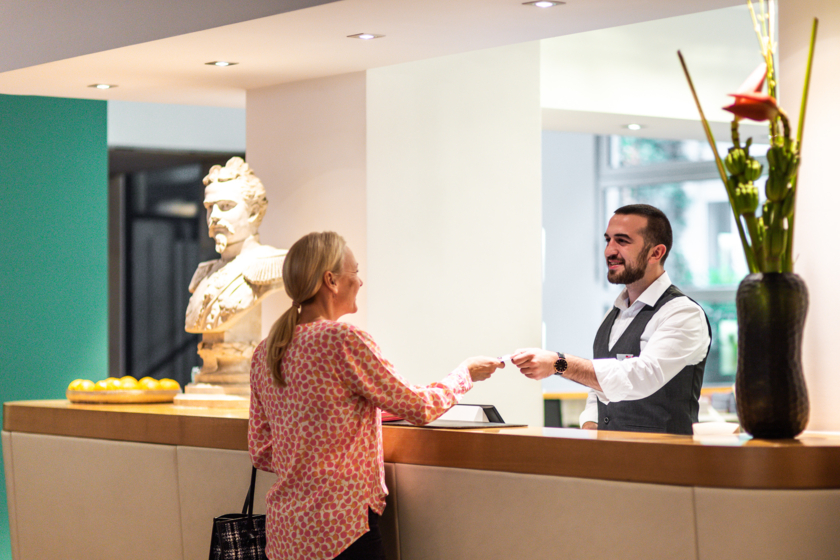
(303, 271)
(278, 338)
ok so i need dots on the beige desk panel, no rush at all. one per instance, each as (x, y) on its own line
(212, 482)
(9, 471)
(767, 524)
(87, 498)
(459, 514)
(527, 493)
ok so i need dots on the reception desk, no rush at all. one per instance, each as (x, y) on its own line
(142, 481)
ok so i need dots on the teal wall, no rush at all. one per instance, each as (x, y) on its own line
(53, 250)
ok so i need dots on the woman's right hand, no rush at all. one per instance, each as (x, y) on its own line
(482, 367)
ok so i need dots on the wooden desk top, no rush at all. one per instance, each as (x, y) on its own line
(581, 395)
(810, 461)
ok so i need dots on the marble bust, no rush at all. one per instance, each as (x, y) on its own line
(226, 292)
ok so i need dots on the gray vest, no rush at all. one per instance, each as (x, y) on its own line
(673, 408)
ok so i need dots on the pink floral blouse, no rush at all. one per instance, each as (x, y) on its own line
(322, 435)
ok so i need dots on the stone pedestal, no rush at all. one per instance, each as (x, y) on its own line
(206, 395)
(224, 377)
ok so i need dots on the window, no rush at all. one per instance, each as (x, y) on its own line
(706, 261)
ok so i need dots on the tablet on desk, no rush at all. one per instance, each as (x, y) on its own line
(459, 417)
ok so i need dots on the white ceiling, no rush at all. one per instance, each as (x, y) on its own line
(41, 31)
(302, 44)
(600, 80)
(600, 122)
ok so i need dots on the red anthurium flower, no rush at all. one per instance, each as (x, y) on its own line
(753, 106)
(754, 83)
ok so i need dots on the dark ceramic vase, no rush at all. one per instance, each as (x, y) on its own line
(769, 386)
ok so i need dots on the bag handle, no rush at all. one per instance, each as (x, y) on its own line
(248, 506)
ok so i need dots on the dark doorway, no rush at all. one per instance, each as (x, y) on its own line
(157, 237)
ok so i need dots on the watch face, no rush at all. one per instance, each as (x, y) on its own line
(560, 366)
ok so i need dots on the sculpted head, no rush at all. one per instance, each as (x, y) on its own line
(235, 201)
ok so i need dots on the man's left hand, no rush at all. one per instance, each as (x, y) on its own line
(534, 363)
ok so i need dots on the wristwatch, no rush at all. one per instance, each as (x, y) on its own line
(561, 364)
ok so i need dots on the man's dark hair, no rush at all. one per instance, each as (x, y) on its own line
(658, 230)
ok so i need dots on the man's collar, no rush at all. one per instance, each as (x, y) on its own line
(650, 296)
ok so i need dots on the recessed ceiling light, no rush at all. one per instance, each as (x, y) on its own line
(365, 36)
(221, 63)
(542, 4)
(103, 86)
(633, 126)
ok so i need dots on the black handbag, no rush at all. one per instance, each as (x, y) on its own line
(240, 536)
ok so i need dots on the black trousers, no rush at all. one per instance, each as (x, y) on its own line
(369, 545)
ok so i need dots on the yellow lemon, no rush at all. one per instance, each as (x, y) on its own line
(128, 383)
(101, 385)
(167, 384)
(112, 384)
(148, 384)
(125, 377)
(85, 385)
(74, 385)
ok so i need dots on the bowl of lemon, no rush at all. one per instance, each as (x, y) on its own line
(125, 389)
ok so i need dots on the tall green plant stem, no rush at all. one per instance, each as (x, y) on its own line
(763, 32)
(748, 253)
(788, 257)
(752, 227)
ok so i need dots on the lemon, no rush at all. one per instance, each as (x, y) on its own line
(167, 384)
(101, 385)
(125, 377)
(112, 384)
(128, 383)
(148, 384)
(85, 385)
(75, 384)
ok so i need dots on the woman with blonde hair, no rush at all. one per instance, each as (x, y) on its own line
(317, 387)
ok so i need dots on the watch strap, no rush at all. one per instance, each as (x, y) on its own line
(561, 364)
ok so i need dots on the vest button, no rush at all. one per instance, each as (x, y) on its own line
(606, 419)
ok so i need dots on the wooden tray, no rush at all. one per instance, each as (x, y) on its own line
(122, 397)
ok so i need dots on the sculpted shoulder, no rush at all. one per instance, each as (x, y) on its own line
(204, 269)
(265, 265)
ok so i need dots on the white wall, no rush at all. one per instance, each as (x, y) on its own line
(573, 291)
(454, 217)
(306, 141)
(819, 196)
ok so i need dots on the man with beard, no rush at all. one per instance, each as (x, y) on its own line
(226, 291)
(650, 351)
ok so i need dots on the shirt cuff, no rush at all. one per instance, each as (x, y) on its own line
(589, 414)
(460, 381)
(615, 386)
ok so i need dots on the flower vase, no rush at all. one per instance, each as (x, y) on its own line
(770, 389)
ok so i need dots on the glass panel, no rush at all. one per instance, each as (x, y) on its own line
(629, 151)
(706, 258)
(723, 355)
(707, 251)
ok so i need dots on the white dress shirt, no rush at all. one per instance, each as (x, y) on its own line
(675, 337)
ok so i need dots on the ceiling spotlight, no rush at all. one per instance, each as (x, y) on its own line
(103, 86)
(221, 63)
(633, 126)
(542, 4)
(365, 36)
